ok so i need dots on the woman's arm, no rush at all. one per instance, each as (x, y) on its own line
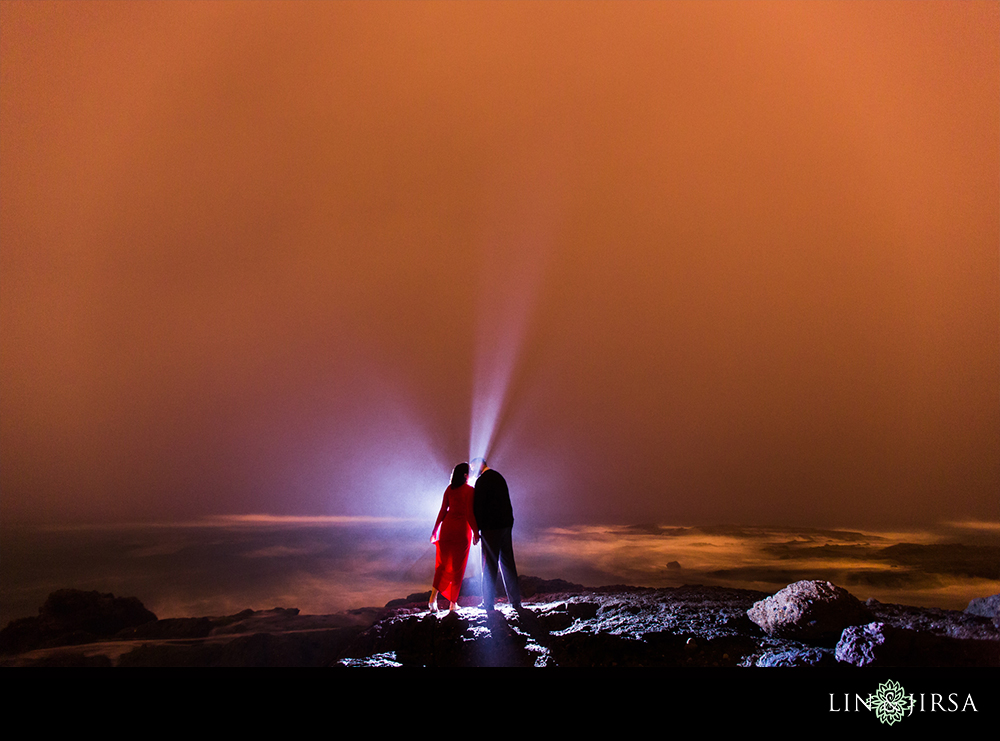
(441, 516)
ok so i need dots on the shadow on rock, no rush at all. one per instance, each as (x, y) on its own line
(466, 637)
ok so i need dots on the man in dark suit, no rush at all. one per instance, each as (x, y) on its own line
(495, 518)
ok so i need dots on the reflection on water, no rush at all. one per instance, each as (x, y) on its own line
(320, 565)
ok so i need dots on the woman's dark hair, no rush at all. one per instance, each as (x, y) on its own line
(459, 475)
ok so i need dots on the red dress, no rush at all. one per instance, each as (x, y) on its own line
(457, 524)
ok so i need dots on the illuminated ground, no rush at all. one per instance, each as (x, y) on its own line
(628, 626)
(691, 626)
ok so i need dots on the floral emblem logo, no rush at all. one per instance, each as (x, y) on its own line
(890, 702)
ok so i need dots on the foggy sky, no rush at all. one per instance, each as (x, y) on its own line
(731, 262)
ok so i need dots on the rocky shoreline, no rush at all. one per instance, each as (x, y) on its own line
(810, 623)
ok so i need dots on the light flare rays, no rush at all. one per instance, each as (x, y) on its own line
(514, 254)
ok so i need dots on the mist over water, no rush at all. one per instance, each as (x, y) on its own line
(219, 566)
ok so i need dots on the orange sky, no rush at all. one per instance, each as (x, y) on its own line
(751, 250)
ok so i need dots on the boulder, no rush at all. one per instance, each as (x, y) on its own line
(73, 617)
(93, 612)
(985, 607)
(875, 644)
(809, 611)
(879, 644)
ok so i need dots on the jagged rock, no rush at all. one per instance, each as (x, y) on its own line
(985, 606)
(93, 612)
(936, 621)
(689, 626)
(881, 645)
(799, 657)
(71, 617)
(873, 644)
(673, 565)
(809, 611)
(555, 618)
(476, 639)
(583, 610)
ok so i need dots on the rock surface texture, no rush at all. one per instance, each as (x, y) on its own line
(810, 611)
(987, 607)
(562, 624)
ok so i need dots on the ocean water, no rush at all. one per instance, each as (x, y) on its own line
(222, 565)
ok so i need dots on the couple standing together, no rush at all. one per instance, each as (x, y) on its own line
(467, 516)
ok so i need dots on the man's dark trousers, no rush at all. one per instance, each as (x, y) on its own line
(498, 549)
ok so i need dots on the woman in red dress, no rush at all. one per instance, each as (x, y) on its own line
(458, 530)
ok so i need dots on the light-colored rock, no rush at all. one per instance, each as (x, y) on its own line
(809, 611)
(863, 645)
(985, 606)
(800, 657)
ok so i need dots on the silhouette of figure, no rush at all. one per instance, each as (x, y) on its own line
(457, 524)
(495, 518)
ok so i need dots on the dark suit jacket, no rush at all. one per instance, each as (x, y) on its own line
(491, 503)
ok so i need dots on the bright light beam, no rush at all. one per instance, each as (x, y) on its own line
(508, 280)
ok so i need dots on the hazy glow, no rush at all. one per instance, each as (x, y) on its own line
(225, 520)
(660, 261)
(248, 520)
(322, 565)
(989, 527)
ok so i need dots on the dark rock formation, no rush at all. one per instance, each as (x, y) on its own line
(935, 621)
(609, 626)
(173, 628)
(865, 645)
(290, 648)
(810, 611)
(561, 624)
(457, 639)
(881, 645)
(71, 616)
(93, 612)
